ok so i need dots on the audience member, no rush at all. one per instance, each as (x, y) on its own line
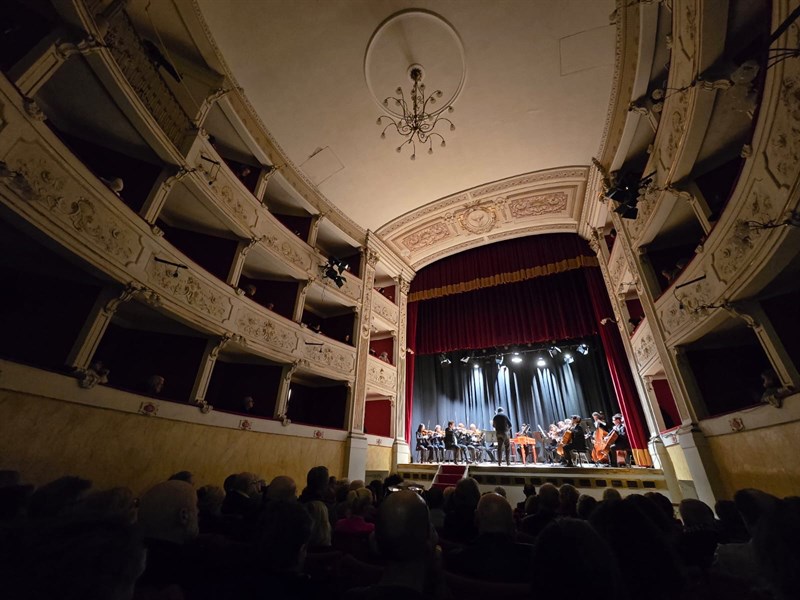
(358, 501)
(320, 524)
(493, 555)
(244, 498)
(282, 488)
(116, 503)
(58, 498)
(435, 500)
(459, 523)
(183, 476)
(548, 501)
(568, 501)
(585, 507)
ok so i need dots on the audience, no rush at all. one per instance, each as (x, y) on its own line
(66, 540)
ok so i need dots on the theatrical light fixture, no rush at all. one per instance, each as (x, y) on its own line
(333, 271)
(443, 359)
(465, 359)
(516, 358)
(416, 124)
(553, 350)
(541, 362)
(498, 359)
(475, 365)
(583, 349)
(568, 359)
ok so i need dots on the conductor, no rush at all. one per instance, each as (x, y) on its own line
(502, 427)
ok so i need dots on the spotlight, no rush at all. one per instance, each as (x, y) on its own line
(553, 350)
(465, 359)
(541, 362)
(583, 349)
(516, 358)
(333, 271)
(443, 360)
(568, 359)
(475, 365)
(498, 360)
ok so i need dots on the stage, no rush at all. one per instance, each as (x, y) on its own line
(589, 478)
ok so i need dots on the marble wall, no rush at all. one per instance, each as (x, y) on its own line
(764, 458)
(44, 439)
(379, 458)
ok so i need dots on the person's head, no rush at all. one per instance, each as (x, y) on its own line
(529, 490)
(247, 483)
(320, 525)
(210, 499)
(531, 504)
(450, 424)
(769, 378)
(154, 384)
(467, 495)
(182, 476)
(249, 290)
(494, 515)
(617, 419)
(500, 490)
(752, 505)
(229, 482)
(576, 419)
(317, 479)
(596, 415)
(168, 511)
(696, 513)
(776, 549)
(420, 428)
(548, 497)
(568, 499)
(358, 501)
(286, 530)
(248, 403)
(438, 428)
(434, 497)
(75, 558)
(472, 427)
(282, 488)
(500, 410)
(58, 498)
(586, 505)
(116, 503)
(403, 529)
(611, 495)
(356, 484)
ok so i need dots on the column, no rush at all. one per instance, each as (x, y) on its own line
(106, 304)
(356, 448)
(282, 400)
(210, 354)
(297, 315)
(401, 453)
(157, 197)
(237, 265)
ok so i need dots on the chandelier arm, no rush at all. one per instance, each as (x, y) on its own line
(391, 124)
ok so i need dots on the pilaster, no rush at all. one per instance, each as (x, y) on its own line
(701, 465)
(300, 303)
(210, 354)
(282, 399)
(235, 272)
(400, 450)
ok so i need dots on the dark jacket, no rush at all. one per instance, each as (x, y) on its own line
(501, 424)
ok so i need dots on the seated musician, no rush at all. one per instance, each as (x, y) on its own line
(551, 443)
(577, 443)
(463, 436)
(423, 444)
(451, 443)
(524, 433)
(479, 443)
(622, 442)
(437, 443)
(599, 421)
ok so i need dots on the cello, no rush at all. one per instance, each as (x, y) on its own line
(600, 448)
(565, 439)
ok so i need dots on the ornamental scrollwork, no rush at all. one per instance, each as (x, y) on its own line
(190, 289)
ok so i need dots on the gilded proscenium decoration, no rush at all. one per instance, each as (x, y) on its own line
(540, 204)
(187, 287)
(427, 236)
(478, 219)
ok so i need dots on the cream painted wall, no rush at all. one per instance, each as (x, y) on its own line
(763, 458)
(45, 439)
(679, 463)
(379, 458)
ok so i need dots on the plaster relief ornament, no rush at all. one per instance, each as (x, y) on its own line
(148, 409)
(478, 219)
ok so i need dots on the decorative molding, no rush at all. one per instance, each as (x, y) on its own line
(428, 236)
(148, 409)
(329, 356)
(265, 330)
(381, 374)
(187, 287)
(538, 205)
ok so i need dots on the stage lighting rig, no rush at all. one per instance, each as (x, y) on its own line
(333, 271)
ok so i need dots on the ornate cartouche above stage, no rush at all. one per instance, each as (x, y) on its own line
(546, 201)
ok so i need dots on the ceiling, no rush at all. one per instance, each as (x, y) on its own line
(535, 80)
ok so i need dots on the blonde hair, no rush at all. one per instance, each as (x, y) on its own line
(358, 501)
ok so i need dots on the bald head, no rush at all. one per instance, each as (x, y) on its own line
(403, 527)
(168, 511)
(282, 488)
(494, 514)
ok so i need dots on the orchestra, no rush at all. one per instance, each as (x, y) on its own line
(604, 445)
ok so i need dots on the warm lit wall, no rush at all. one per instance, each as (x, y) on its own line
(379, 458)
(679, 463)
(764, 458)
(44, 439)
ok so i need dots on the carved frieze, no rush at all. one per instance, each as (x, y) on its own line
(285, 249)
(384, 308)
(783, 151)
(330, 356)
(478, 219)
(244, 211)
(255, 326)
(538, 205)
(49, 186)
(427, 237)
(381, 374)
(187, 288)
(644, 347)
(732, 255)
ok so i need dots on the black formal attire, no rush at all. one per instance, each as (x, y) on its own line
(621, 443)
(502, 427)
(577, 443)
(424, 448)
(492, 557)
(452, 443)
(437, 447)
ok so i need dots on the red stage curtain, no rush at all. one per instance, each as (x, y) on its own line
(553, 295)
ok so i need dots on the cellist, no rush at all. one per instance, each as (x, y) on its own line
(599, 455)
(576, 442)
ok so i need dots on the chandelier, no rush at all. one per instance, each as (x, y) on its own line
(417, 124)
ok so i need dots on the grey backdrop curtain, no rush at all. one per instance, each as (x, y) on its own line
(529, 394)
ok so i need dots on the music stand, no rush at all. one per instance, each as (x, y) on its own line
(491, 437)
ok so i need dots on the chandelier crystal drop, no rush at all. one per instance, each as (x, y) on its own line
(417, 124)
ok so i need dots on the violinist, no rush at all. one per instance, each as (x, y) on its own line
(577, 441)
(451, 442)
(437, 443)
(479, 444)
(423, 444)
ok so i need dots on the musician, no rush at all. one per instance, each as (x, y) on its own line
(551, 443)
(451, 443)
(437, 443)
(622, 442)
(502, 427)
(482, 451)
(599, 421)
(577, 443)
(463, 437)
(423, 444)
(524, 432)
